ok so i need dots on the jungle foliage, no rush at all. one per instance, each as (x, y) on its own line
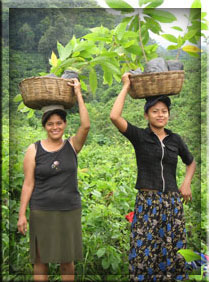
(106, 176)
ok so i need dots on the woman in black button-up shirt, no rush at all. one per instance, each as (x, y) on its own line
(158, 227)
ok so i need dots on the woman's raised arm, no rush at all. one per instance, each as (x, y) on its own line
(116, 112)
(80, 137)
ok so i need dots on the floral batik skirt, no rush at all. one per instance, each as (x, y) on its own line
(157, 233)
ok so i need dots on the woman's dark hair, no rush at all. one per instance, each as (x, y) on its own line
(61, 113)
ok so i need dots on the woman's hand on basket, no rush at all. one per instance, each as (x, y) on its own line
(76, 84)
(126, 80)
(22, 224)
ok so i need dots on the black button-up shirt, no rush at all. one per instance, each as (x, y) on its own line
(157, 160)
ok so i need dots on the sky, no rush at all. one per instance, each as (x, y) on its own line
(179, 8)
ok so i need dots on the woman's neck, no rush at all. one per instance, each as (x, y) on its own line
(52, 144)
(54, 141)
(160, 132)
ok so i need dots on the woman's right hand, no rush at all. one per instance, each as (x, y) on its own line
(126, 79)
(22, 224)
(76, 84)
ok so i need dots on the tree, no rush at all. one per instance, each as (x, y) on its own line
(27, 36)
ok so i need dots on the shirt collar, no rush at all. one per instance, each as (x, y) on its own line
(149, 130)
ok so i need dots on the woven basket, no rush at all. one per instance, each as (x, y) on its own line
(38, 92)
(158, 83)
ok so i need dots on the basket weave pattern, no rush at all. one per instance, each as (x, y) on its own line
(158, 83)
(38, 92)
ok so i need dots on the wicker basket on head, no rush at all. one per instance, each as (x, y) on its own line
(38, 92)
(158, 83)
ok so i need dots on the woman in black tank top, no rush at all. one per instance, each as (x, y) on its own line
(50, 186)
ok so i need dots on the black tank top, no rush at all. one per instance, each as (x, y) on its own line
(55, 179)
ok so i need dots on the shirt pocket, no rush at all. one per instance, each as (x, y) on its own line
(172, 151)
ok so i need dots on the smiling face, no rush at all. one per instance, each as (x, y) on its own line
(158, 115)
(55, 127)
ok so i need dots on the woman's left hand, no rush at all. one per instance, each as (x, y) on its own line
(76, 84)
(186, 192)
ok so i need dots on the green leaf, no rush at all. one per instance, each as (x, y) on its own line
(131, 34)
(195, 14)
(203, 14)
(196, 4)
(103, 31)
(151, 48)
(133, 57)
(190, 34)
(68, 48)
(79, 65)
(153, 25)
(87, 54)
(120, 5)
(134, 49)
(104, 62)
(93, 85)
(95, 38)
(127, 44)
(73, 41)
(105, 263)
(170, 37)
(204, 26)
(196, 24)
(60, 49)
(181, 41)
(43, 73)
(193, 54)
(114, 265)
(69, 62)
(172, 47)
(21, 106)
(117, 77)
(145, 35)
(134, 25)
(111, 67)
(189, 255)
(159, 15)
(120, 30)
(155, 3)
(177, 28)
(30, 114)
(143, 2)
(109, 54)
(24, 109)
(83, 85)
(75, 54)
(101, 252)
(127, 19)
(17, 98)
(96, 193)
(83, 45)
(107, 75)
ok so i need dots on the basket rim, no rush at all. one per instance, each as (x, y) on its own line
(45, 77)
(157, 73)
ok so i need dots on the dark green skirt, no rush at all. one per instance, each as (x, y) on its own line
(57, 235)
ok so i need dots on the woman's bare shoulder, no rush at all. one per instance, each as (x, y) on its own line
(30, 151)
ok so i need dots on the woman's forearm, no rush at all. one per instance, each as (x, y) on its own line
(190, 170)
(84, 116)
(117, 108)
(24, 199)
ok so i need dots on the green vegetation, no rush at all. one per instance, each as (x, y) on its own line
(107, 168)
